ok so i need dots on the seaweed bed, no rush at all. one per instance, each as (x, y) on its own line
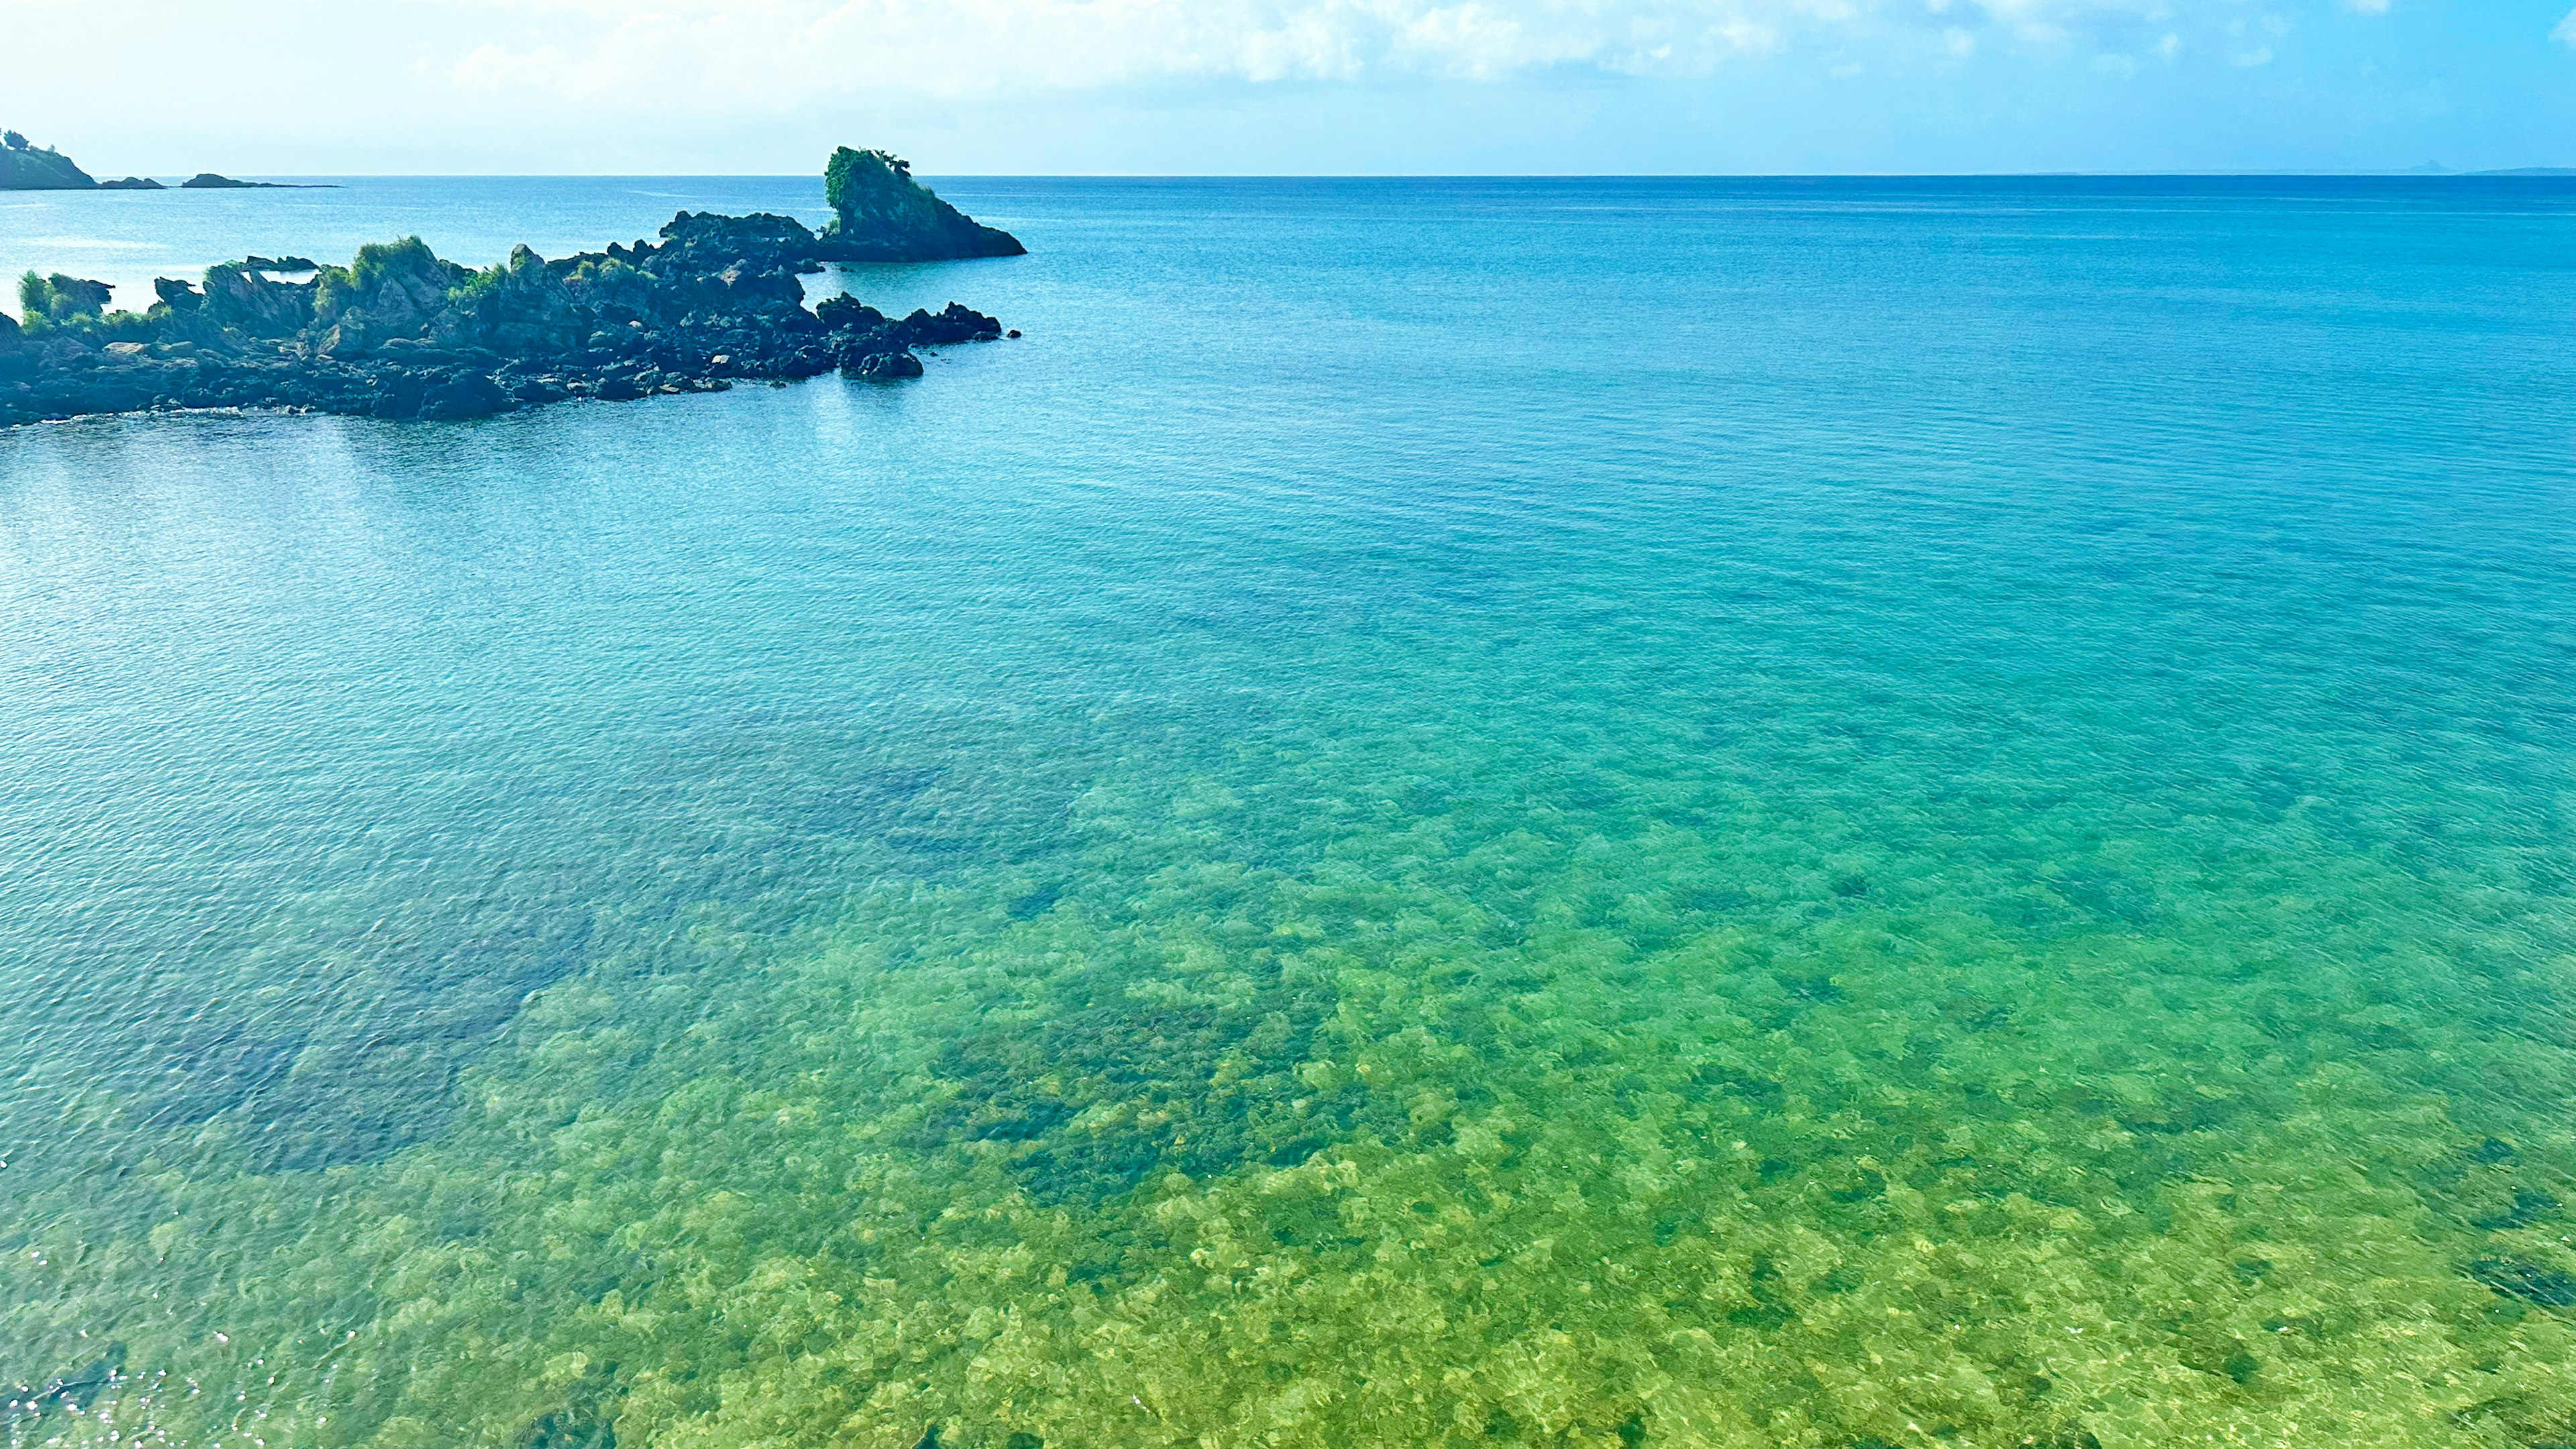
(1771, 964)
(1324, 1099)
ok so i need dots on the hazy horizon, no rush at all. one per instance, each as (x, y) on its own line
(1307, 87)
(2417, 173)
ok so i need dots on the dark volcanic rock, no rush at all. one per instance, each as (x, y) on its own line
(133, 183)
(880, 214)
(240, 299)
(401, 333)
(881, 366)
(34, 168)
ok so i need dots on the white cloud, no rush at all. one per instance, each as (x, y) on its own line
(2367, 7)
(785, 52)
(2565, 34)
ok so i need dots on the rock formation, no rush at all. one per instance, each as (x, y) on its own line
(209, 181)
(401, 333)
(36, 168)
(880, 214)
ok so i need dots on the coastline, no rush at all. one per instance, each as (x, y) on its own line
(400, 333)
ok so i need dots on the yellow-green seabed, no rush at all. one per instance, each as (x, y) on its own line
(1596, 934)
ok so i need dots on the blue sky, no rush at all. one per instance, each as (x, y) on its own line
(1297, 86)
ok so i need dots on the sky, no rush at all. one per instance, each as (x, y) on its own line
(1335, 87)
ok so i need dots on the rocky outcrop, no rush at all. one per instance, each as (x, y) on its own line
(209, 181)
(61, 299)
(36, 168)
(402, 333)
(133, 183)
(880, 214)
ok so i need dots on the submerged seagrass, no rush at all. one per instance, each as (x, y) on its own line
(1522, 836)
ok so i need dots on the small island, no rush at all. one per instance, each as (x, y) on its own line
(209, 181)
(25, 166)
(880, 214)
(401, 333)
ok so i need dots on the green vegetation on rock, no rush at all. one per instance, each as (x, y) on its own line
(25, 167)
(401, 333)
(880, 214)
(60, 299)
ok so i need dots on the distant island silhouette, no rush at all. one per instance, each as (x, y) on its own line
(25, 166)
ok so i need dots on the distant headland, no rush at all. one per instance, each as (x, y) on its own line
(28, 167)
(39, 168)
(401, 333)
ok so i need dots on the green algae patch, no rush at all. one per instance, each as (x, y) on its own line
(1310, 1102)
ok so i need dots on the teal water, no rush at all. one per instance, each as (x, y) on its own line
(1841, 814)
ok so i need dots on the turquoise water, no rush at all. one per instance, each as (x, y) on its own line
(1841, 814)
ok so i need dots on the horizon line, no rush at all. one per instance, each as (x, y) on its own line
(2418, 173)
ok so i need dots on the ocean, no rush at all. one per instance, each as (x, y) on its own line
(1857, 814)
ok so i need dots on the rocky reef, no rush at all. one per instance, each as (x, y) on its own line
(25, 167)
(209, 181)
(401, 333)
(880, 214)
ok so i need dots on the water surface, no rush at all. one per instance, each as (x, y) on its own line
(1703, 813)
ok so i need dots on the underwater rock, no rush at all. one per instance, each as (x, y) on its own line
(77, 1389)
(2224, 1358)
(2530, 1205)
(587, 1418)
(880, 214)
(401, 333)
(2072, 1436)
(2530, 1282)
(2493, 1150)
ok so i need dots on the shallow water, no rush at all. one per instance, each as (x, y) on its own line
(1831, 814)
